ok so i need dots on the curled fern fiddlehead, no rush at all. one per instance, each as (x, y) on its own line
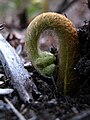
(44, 61)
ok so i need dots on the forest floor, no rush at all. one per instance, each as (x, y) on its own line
(51, 104)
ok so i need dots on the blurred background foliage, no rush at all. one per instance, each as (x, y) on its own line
(33, 7)
(15, 11)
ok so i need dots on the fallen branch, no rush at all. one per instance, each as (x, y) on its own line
(16, 72)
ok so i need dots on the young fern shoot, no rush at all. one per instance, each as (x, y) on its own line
(44, 62)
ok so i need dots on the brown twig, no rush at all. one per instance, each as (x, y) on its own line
(17, 113)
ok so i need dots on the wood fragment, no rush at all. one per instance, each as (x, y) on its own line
(15, 71)
(5, 91)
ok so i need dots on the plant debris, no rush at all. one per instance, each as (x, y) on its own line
(5, 91)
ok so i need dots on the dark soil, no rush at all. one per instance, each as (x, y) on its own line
(51, 104)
